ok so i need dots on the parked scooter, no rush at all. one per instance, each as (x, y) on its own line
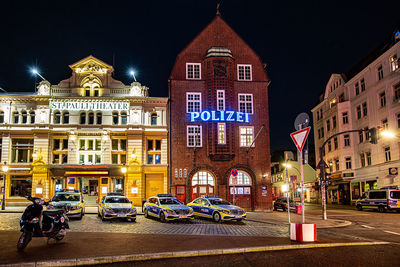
(54, 223)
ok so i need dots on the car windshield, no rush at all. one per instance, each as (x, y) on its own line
(66, 197)
(117, 200)
(169, 201)
(219, 201)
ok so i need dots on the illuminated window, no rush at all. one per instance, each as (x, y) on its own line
(220, 100)
(221, 133)
(202, 178)
(394, 62)
(118, 151)
(124, 118)
(244, 72)
(246, 136)
(193, 102)
(241, 179)
(153, 151)
(21, 150)
(194, 136)
(193, 71)
(246, 103)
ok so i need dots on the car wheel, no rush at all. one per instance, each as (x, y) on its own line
(80, 217)
(359, 207)
(146, 213)
(283, 208)
(381, 209)
(133, 219)
(216, 217)
(162, 217)
(239, 220)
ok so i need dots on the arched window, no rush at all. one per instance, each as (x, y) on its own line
(1, 116)
(15, 117)
(57, 117)
(24, 116)
(82, 118)
(202, 178)
(241, 179)
(91, 117)
(32, 117)
(99, 118)
(66, 117)
(115, 117)
(124, 117)
(154, 119)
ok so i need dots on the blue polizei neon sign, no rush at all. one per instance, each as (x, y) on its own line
(226, 115)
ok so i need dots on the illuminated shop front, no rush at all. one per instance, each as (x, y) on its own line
(89, 132)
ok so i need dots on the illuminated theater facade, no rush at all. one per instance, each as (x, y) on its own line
(90, 132)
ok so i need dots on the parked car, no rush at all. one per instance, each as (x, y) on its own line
(217, 209)
(380, 199)
(69, 200)
(116, 205)
(166, 207)
(281, 203)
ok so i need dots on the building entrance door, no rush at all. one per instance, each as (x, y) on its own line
(90, 189)
(154, 185)
(240, 190)
(202, 184)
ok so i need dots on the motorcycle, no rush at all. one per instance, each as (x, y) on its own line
(54, 223)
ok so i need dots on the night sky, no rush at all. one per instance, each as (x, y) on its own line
(302, 42)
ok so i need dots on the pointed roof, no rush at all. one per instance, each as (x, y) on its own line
(91, 60)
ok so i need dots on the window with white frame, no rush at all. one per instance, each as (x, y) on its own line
(348, 162)
(246, 103)
(246, 136)
(221, 133)
(90, 151)
(118, 151)
(244, 72)
(193, 71)
(220, 100)
(387, 154)
(194, 136)
(193, 102)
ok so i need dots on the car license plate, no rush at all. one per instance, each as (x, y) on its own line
(121, 215)
(182, 216)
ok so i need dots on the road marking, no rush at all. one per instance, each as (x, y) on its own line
(389, 232)
(367, 226)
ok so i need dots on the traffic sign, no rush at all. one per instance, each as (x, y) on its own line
(322, 165)
(234, 172)
(299, 138)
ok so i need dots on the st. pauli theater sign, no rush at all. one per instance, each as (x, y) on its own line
(226, 115)
(83, 105)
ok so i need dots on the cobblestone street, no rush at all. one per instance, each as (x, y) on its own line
(92, 223)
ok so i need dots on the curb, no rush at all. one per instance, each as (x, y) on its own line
(343, 223)
(184, 254)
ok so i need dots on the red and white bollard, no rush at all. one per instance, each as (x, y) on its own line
(303, 232)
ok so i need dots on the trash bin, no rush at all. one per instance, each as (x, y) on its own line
(299, 209)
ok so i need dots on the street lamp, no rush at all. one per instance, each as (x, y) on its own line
(123, 170)
(132, 73)
(5, 170)
(36, 72)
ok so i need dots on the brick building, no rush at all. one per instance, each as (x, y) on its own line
(219, 120)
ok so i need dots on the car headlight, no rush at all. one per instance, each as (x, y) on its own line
(108, 210)
(76, 207)
(133, 210)
(190, 210)
(170, 212)
(224, 211)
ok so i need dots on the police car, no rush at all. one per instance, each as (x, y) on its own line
(217, 209)
(116, 205)
(69, 200)
(167, 208)
(380, 199)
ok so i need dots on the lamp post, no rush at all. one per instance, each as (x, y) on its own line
(4, 169)
(123, 170)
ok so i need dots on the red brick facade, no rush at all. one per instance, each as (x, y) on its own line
(219, 71)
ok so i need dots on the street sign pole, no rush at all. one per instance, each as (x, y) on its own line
(288, 188)
(302, 188)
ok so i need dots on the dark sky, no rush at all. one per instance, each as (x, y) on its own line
(302, 42)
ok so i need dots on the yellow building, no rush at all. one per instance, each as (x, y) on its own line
(83, 134)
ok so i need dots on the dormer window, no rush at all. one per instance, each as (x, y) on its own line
(244, 72)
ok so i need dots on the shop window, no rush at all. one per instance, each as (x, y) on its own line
(22, 150)
(398, 120)
(82, 119)
(154, 119)
(193, 102)
(194, 136)
(15, 117)
(24, 116)
(124, 118)
(193, 71)
(153, 151)
(246, 136)
(57, 117)
(90, 118)
(66, 117)
(115, 117)
(244, 72)
(99, 118)
(245, 103)
(21, 186)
